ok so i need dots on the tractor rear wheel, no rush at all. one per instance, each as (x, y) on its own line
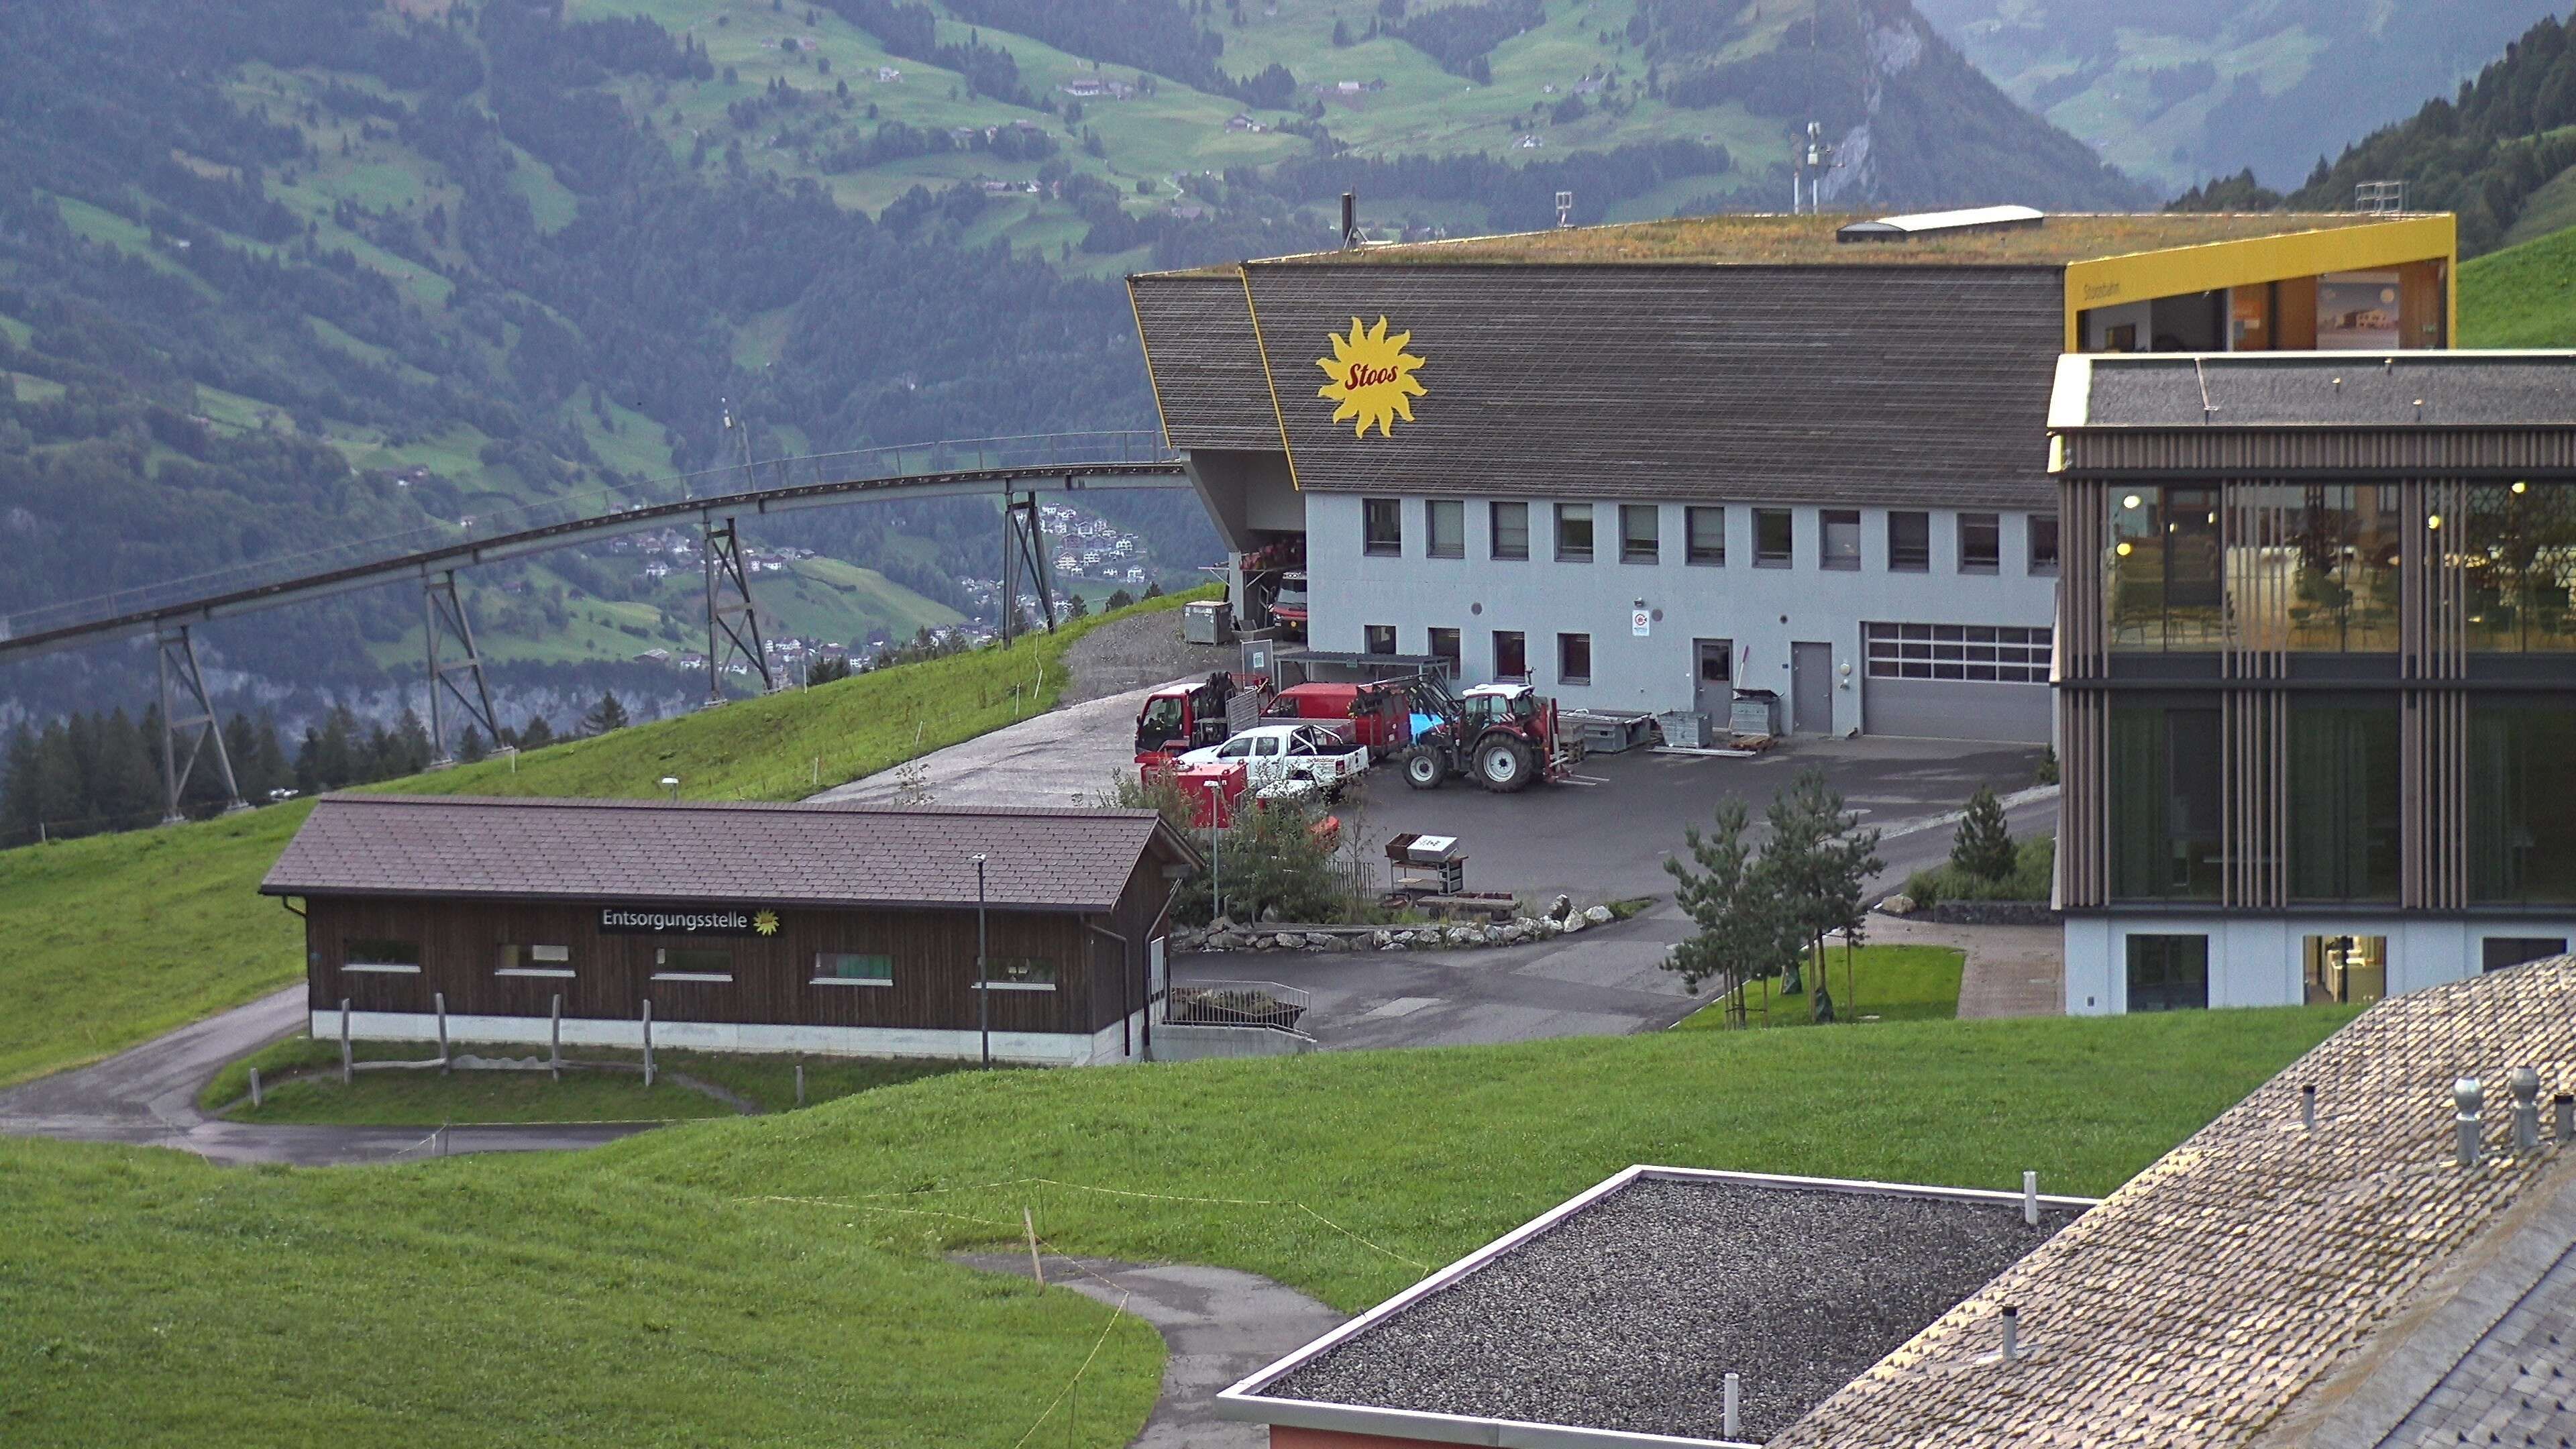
(1424, 768)
(1505, 765)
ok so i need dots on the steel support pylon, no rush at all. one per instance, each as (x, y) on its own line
(177, 651)
(730, 621)
(1024, 547)
(442, 611)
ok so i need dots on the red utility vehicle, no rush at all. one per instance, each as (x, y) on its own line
(1379, 716)
(1503, 736)
(1181, 717)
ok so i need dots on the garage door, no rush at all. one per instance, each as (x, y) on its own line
(1956, 682)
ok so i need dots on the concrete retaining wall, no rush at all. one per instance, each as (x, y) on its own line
(1191, 1043)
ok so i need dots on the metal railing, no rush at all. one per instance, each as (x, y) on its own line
(1033, 451)
(1263, 1005)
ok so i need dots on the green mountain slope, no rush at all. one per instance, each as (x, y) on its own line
(2184, 89)
(2522, 296)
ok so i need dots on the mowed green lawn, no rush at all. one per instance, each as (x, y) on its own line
(1890, 983)
(116, 939)
(2523, 296)
(780, 1280)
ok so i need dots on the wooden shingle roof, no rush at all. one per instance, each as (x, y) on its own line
(640, 850)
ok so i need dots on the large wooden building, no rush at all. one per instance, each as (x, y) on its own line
(740, 927)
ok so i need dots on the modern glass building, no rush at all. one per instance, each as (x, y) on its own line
(2317, 673)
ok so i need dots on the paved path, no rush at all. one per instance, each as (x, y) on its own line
(2011, 970)
(1063, 757)
(1218, 1325)
(147, 1095)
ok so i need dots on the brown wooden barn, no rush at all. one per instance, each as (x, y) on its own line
(747, 927)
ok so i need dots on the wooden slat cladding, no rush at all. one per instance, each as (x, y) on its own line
(2194, 453)
(1846, 384)
(1203, 362)
(933, 954)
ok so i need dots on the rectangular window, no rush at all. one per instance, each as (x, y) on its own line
(2000, 653)
(2350, 969)
(1380, 638)
(1574, 533)
(1511, 530)
(542, 961)
(692, 963)
(1020, 973)
(1838, 540)
(1775, 538)
(1445, 531)
(1641, 533)
(2500, 953)
(2343, 806)
(2161, 588)
(2313, 568)
(2523, 600)
(1574, 659)
(1382, 526)
(852, 968)
(1444, 647)
(2043, 543)
(1705, 528)
(2164, 803)
(2522, 770)
(1909, 542)
(2168, 973)
(369, 955)
(1981, 543)
(1511, 655)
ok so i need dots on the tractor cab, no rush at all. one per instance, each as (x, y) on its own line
(1486, 705)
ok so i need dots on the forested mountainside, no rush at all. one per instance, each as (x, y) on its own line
(2501, 152)
(2180, 90)
(282, 273)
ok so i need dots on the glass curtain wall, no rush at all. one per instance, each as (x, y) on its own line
(2343, 806)
(2314, 569)
(2162, 579)
(2163, 777)
(2522, 778)
(2518, 548)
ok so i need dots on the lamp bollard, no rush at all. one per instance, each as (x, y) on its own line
(348, 1063)
(254, 1086)
(1733, 1388)
(648, 1043)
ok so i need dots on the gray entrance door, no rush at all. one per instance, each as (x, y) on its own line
(1811, 689)
(1713, 679)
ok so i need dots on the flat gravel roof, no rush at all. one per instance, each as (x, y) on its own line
(2336, 389)
(1629, 1314)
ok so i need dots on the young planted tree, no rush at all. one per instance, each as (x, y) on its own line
(1817, 863)
(1984, 846)
(1740, 935)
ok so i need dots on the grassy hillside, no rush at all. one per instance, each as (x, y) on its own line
(778, 1279)
(119, 938)
(2523, 296)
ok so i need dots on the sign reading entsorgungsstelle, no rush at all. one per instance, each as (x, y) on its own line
(686, 921)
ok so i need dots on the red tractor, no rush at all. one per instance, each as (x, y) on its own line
(1501, 735)
(1181, 717)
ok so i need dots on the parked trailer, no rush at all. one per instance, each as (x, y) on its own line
(1378, 717)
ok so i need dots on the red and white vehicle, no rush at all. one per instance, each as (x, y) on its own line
(1286, 759)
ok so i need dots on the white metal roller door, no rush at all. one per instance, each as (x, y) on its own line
(1956, 682)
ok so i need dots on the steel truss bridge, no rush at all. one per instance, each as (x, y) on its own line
(1013, 471)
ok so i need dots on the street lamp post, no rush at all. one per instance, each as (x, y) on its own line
(983, 976)
(672, 784)
(1216, 870)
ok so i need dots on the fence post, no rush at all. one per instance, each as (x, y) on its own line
(648, 1043)
(554, 1038)
(254, 1086)
(348, 1067)
(439, 999)
(800, 1084)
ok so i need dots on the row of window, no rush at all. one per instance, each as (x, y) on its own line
(707, 964)
(2171, 972)
(1640, 539)
(1511, 652)
(2343, 820)
(2000, 653)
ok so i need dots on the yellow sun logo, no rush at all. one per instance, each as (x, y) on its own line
(1372, 378)
(765, 922)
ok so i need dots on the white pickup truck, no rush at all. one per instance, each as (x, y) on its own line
(1287, 759)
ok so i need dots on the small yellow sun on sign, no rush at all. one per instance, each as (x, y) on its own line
(764, 922)
(1372, 378)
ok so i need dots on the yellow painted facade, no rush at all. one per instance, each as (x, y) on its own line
(2181, 271)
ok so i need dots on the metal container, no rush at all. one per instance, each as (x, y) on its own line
(1207, 621)
(1684, 729)
(1757, 712)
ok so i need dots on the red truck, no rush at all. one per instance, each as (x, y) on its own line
(1179, 718)
(1375, 715)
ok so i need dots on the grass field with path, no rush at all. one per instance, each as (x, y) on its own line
(781, 1280)
(118, 938)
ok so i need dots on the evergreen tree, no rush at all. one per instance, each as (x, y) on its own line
(1075, 608)
(536, 734)
(1740, 936)
(604, 716)
(1984, 846)
(1153, 591)
(827, 668)
(470, 746)
(1120, 599)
